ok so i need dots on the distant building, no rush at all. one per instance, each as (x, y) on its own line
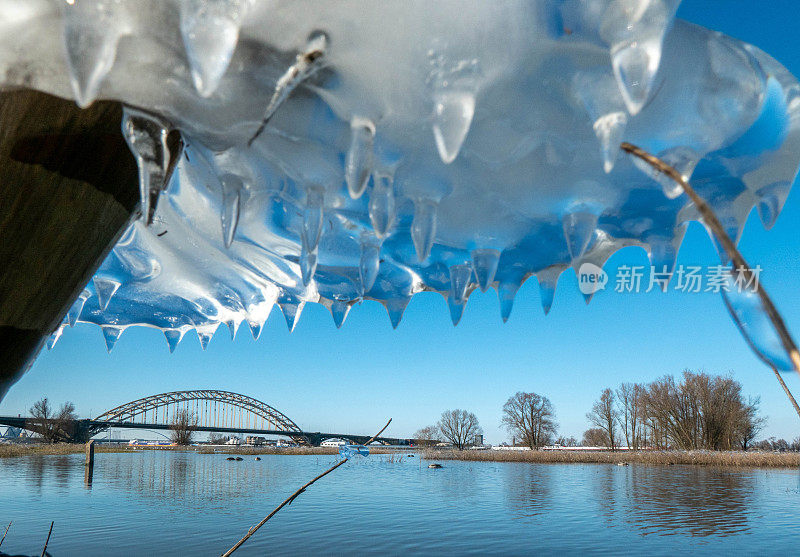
(233, 441)
(255, 441)
(333, 443)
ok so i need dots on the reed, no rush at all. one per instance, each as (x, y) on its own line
(751, 459)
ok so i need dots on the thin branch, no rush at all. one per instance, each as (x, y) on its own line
(306, 63)
(293, 496)
(6, 532)
(47, 541)
(711, 220)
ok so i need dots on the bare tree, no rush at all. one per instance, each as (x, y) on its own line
(748, 423)
(52, 426)
(459, 427)
(182, 427)
(629, 409)
(567, 441)
(216, 439)
(595, 437)
(604, 416)
(428, 435)
(531, 417)
(701, 412)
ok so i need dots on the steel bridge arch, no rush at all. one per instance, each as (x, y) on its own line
(127, 412)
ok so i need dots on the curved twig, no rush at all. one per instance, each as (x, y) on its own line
(711, 220)
(293, 496)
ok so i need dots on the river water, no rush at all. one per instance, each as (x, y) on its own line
(159, 502)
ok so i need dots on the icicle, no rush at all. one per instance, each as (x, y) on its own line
(423, 228)
(358, 165)
(205, 333)
(381, 203)
(255, 328)
(74, 312)
(146, 136)
(210, 31)
(308, 264)
(111, 335)
(312, 217)
(452, 116)
(370, 262)
(291, 307)
(53, 338)
(105, 289)
(231, 207)
(460, 276)
(770, 202)
(506, 291)
(744, 305)
(682, 159)
(634, 29)
(174, 337)
(456, 309)
(312, 231)
(395, 307)
(547, 286)
(609, 130)
(579, 228)
(484, 263)
(306, 63)
(256, 317)
(92, 29)
(233, 327)
(339, 311)
(663, 254)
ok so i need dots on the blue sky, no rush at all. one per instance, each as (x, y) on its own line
(353, 379)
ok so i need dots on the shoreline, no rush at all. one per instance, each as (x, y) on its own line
(727, 459)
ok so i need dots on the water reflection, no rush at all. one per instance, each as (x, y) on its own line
(528, 489)
(676, 500)
(187, 476)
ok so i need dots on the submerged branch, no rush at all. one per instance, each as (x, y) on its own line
(294, 495)
(711, 220)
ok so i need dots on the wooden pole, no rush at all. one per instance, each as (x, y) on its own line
(89, 463)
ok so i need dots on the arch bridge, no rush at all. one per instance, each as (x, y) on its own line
(207, 410)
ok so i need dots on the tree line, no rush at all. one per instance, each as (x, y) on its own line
(695, 411)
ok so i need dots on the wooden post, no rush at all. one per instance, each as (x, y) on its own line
(89, 464)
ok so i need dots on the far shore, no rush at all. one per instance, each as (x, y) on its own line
(752, 459)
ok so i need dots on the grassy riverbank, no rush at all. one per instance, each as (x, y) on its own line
(656, 458)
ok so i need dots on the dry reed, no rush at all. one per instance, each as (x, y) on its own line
(754, 459)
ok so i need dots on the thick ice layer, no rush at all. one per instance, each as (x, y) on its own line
(345, 150)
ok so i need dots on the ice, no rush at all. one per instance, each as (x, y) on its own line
(349, 451)
(340, 151)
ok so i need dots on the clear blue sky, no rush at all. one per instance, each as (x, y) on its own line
(353, 379)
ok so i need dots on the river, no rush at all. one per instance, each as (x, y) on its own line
(158, 502)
